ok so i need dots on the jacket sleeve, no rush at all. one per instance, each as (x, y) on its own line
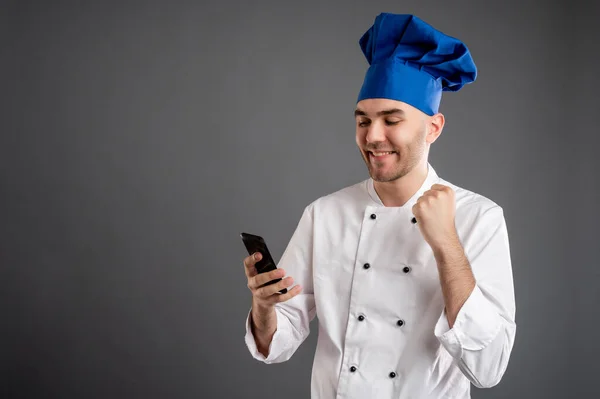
(293, 316)
(483, 334)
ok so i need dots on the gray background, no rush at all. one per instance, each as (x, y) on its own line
(138, 140)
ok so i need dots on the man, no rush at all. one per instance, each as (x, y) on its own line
(410, 276)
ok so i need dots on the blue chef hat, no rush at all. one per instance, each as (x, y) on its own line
(412, 62)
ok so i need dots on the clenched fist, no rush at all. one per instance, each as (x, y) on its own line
(435, 211)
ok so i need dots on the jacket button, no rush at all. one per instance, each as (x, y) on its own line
(352, 369)
(392, 375)
(366, 265)
(406, 269)
(400, 323)
(413, 220)
(361, 318)
(373, 216)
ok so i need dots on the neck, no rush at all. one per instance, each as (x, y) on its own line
(399, 191)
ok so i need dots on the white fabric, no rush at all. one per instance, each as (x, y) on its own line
(335, 237)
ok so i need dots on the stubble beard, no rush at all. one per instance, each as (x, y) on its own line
(406, 160)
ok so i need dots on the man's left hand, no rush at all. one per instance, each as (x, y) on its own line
(434, 212)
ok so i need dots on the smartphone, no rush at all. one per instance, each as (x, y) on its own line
(254, 244)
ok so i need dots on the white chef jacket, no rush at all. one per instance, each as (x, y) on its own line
(372, 281)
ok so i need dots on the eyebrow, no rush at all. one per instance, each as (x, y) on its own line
(391, 111)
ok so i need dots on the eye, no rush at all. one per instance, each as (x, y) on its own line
(391, 123)
(363, 123)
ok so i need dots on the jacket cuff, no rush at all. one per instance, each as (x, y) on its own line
(273, 346)
(476, 325)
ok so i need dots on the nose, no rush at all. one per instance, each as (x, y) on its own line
(375, 133)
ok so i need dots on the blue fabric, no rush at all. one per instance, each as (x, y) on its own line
(412, 62)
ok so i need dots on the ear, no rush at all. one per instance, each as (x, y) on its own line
(435, 125)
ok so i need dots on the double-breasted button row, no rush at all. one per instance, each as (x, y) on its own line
(362, 317)
(413, 220)
(392, 374)
(406, 269)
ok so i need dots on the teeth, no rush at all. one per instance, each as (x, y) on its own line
(378, 154)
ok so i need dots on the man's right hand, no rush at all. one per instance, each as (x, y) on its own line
(266, 297)
(263, 318)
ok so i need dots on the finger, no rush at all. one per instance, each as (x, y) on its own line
(273, 289)
(257, 281)
(251, 271)
(443, 188)
(250, 262)
(288, 295)
(264, 278)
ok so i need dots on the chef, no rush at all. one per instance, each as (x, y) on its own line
(409, 275)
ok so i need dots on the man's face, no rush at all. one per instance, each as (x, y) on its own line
(384, 126)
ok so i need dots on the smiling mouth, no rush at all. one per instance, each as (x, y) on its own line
(380, 154)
